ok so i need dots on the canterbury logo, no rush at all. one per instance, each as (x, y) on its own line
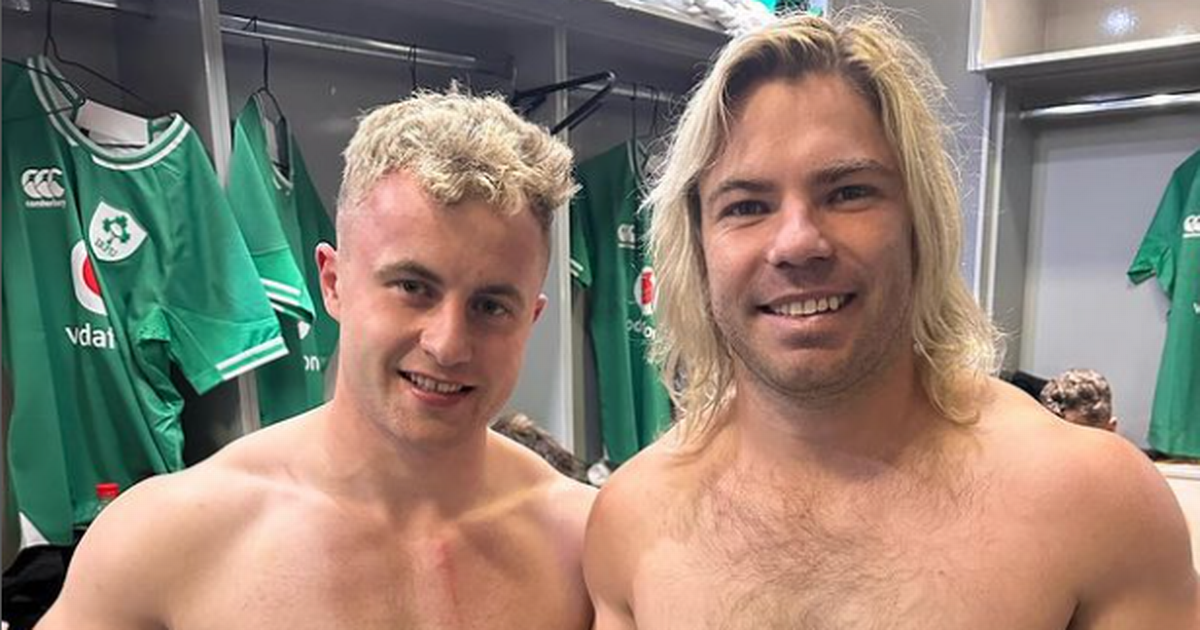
(42, 187)
(1191, 226)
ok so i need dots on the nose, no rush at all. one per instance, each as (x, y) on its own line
(800, 237)
(446, 336)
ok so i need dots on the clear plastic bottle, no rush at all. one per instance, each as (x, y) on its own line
(105, 493)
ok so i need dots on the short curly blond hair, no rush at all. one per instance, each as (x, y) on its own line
(1084, 391)
(459, 148)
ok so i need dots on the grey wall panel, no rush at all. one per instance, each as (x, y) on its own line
(1011, 227)
(1095, 188)
(322, 93)
(545, 390)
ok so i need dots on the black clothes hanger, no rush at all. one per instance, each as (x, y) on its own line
(633, 105)
(526, 101)
(264, 95)
(50, 50)
(265, 88)
(655, 95)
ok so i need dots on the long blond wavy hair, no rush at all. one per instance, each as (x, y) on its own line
(956, 342)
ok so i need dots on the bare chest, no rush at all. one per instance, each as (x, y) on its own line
(323, 578)
(869, 562)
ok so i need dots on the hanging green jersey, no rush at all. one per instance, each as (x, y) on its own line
(283, 220)
(118, 263)
(609, 259)
(1171, 251)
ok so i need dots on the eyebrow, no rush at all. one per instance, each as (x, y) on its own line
(735, 185)
(408, 268)
(503, 290)
(843, 169)
(413, 268)
(829, 174)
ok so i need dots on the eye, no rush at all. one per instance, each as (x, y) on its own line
(492, 308)
(852, 193)
(744, 208)
(412, 287)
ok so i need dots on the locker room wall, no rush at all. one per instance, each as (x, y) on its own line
(322, 92)
(1095, 189)
(1067, 203)
(613, 124)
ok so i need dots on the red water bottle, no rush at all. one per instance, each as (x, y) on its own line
(105, 493)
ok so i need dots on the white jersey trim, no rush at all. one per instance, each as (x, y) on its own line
(149, 161)
(253, 364)
(283, 299)
(279, 286)
(57, 104)
(251, 352)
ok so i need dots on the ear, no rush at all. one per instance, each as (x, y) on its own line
(539, 306)
(327, 270)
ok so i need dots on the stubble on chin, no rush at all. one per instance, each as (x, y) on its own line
(825, 381)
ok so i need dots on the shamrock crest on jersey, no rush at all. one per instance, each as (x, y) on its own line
(114, 234)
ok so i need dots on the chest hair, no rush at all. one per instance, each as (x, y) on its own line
(778, 553)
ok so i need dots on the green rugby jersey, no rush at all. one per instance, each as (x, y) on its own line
(1171, 251)
(610, 260)
(283, 220)
(118, 263)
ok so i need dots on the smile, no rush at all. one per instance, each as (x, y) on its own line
(809, 307)
(433, 385)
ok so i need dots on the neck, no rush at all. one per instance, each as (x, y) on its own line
(358, 460)
(875, 428)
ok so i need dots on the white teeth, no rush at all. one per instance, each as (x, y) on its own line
(429, 384)
(810, 306)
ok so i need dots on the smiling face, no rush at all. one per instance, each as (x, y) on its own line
(435, 306)
(807, 241)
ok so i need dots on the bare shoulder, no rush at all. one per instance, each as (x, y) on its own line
(1102, 498)
(632, 511)
(559, 501)
(641, 488)
(1097, 469)
(158, 535)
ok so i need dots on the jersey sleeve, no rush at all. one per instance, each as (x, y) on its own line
(252, 198)
(214, 314)
(1156, 255)
(581, 265)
